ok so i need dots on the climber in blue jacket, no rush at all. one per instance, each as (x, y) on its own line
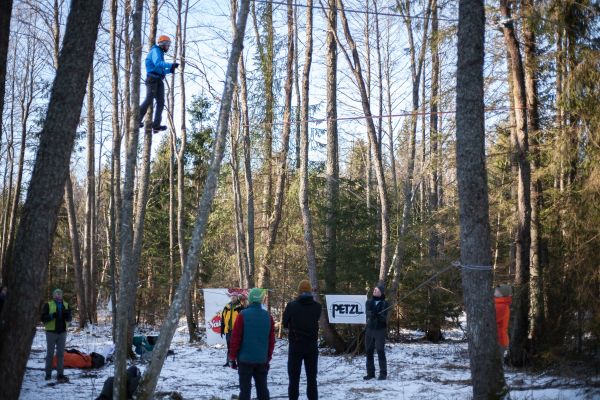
(156, 70)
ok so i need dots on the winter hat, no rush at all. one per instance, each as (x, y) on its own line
(304, 286)
(381, 289)
(256, 295)
(505, 290)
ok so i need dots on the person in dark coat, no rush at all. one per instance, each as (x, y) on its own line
(56, 313)
(301, 319)
(377, 311)
(251, 346)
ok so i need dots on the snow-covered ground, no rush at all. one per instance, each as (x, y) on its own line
(416, 370)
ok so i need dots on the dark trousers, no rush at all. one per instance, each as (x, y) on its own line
(155, 89)
(227, 340)
(308, 353)
(375, 340)
(259, 372)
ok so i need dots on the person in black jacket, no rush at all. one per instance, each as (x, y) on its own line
(301, 319)
(55, 316)
(377, 310)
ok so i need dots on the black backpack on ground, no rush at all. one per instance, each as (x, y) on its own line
(133, 379)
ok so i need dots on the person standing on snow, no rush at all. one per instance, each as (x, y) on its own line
(502, 300)
(251, 347)
(156, 70)
(55, 315)
(301, 318)
(228, 317)
(377, 310)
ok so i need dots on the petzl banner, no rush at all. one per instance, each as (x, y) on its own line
(346, 309)
(214, 301)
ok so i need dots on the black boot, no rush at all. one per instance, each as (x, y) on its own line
(368, 377)
(159, 128)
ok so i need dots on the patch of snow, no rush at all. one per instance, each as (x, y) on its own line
(416, 370)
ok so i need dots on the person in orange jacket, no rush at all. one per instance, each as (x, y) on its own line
(502, 300)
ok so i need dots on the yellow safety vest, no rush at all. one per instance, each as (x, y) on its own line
(229, 315)
(51, 325)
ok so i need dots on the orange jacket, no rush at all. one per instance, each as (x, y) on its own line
(502, 318)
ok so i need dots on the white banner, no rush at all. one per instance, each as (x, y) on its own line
(214, 301)
(346, 309)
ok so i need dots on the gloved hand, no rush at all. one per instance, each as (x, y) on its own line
(53, 315)
(221, 335)
(233, 364)
(174, 66)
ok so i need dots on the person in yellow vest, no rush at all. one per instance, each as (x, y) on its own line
(228, 316)
(56, 314)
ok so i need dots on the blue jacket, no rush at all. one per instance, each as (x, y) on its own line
(156, 66)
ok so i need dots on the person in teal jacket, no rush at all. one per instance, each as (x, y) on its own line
(251, 346)
(156, 70)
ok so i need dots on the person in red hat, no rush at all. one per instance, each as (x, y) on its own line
(156, 70)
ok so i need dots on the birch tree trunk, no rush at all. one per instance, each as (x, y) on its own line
(28, 272)
(486, 366)
(520, 309)
(128, 278)
(150, 377)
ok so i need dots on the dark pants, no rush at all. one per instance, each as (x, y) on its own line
(55, 341)
(155, 89)
(308, 353)
(227, 340)
(259, 372)
(375, 340)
